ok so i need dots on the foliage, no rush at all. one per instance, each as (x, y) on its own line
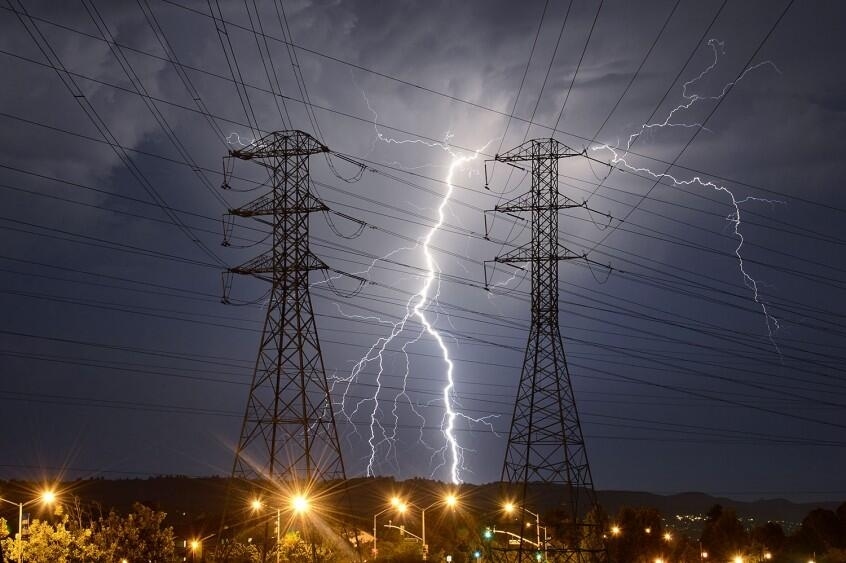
(724, 536)
(49, 543)
(236, 552)
(139, 536)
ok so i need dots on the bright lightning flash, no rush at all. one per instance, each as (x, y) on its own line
(620, 158)
(416, 308)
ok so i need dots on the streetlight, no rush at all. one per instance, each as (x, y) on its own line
(451, 501)
(299, 504)
(668, 536)
(256, 504)
(509, 507)
(397, 505)
(46, 497)
(615, 530)
(195, 545)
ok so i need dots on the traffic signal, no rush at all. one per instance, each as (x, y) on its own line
(487, 534)
(477, 554)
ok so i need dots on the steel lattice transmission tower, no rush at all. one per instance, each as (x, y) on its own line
(288, 433)
(545, 444)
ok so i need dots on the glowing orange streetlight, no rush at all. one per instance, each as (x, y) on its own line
(398, 505)
(450, 500)
(668, 536)
(615, 530)
(47, 496)
(300, 504)
(510, 507)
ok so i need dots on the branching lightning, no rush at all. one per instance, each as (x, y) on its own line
(620, 158)
(416, 309)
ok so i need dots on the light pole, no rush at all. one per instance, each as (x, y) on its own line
(299, 505)
(396, 504)
(449, 500)
(47, 497)
(509, 508)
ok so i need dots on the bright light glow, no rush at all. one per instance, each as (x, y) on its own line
(195, 545)
(768, 555)
(508, 507)
(300, 504)
(704, 555)
(48, 497)
(451, 500)
(396, 502)
(738, 559)
(416, 307)
(402, 507)
(668, 536)
(648, 530)
(615, 530)
(659, 560)
(256, 504)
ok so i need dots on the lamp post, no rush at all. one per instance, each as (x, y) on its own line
(299, 505)
(396, 504)
(47, 497)
(510, 508)
(449, 500)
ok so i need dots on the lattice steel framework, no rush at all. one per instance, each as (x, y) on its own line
(545, 444)
(288, 433)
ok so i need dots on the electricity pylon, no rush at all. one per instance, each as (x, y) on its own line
(545, 444)
(288, 433)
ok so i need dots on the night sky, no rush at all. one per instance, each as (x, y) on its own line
(118, 358)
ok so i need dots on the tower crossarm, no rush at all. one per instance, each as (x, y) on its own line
(280, 144)
(524, 202)
(531, 150)
(269, 205)
(525, 254)
(268, 264)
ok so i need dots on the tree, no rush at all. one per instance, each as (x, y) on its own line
(139, 536)
(768, 537)
(295, 549)
(639, 539)
(723, 536)
(48, 543)
(234, 551)
(821, 531)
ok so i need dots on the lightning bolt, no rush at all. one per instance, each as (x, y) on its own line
(416, 308)
(620, 158)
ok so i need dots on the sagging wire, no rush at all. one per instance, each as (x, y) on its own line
(608, 267)
(357, 233)
(352, 179)
(330, 282)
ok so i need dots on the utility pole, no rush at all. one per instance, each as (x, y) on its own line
(288, 436)
(545, 443)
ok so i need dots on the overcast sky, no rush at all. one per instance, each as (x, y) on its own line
(119, 359)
